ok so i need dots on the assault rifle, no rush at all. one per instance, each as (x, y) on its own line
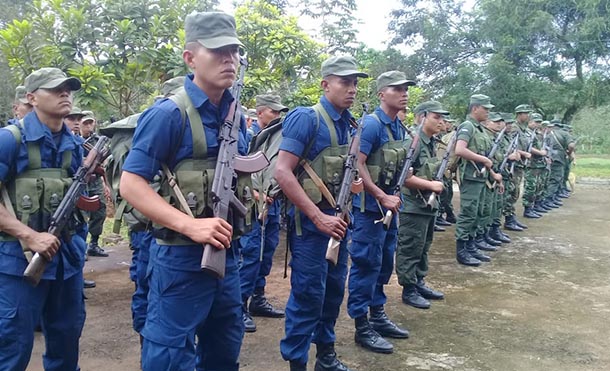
(530, 145)
(73, 198)
(546, 147)
(492, 151)
(225, 204)
(404, 173)
(350, 183)
(512, 147)
(440, 173)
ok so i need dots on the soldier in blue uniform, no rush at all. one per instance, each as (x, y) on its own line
(40, 149)
(183, 301)
(317, 135)
(372, 248)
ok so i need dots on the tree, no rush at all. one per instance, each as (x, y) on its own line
(337, 21)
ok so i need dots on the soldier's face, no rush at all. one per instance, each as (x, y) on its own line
(73, 123)
(523, 117)
(480, 113)
(434, 123)
(395, 97)
(213, 68)
(87, 128)
(340, 90)
(55, 102)
(266, 115)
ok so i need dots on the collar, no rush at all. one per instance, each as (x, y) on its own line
(332, 112)
(383, 117)
(35, 130)
(199, 97)
(423, 137)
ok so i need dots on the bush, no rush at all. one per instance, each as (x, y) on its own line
(591, 130)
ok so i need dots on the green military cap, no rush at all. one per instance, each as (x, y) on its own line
(508, 118)
(49, 78)
(20, 94)
(545, 123)
(523, 108)
(481, 100)
(393, 78)
(251, 112)
(341, 66)
(272, 101)
(171, 86)
(429, 106)
(88, 115)
(536, 117)
(495, 116)
(76, 112)
(213, 30)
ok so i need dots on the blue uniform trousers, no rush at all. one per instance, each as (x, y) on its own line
(139, 300)
(185, 304)
(252, 271)
(372, 253)
(58, 304)
(316, 292)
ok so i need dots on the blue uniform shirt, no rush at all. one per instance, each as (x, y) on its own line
(374, 135)
(155, 141)
(14, 161)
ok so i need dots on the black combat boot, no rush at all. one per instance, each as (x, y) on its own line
(475, 253)
(563, 194)
(427, 292)
(298, 366)
(543, 205)
(529, 212)
(450, 217)
(462, 256)
(370, 339)
(384, 326)
(548, 202)
(539, 209)
(411, 297)
(260, 306)
(438, 228)
(520, 224)
(511, 225)
(440, 221)
(490, 240)
(95, 250)
(481, 244)
(557, 200)
(249, 325)
(88, 284)
(497, 234)
(326, 359)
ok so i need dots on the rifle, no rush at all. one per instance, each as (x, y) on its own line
(547, 148)
(440, 173)
(262, 217)
(530, 145)
(74, 198)
(492, 151)
(349, 184)
(225, 204)
(387, 218)
(512, 147)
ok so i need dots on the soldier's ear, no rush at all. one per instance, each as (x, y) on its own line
(188, 56)
(31, 99)
(324, 85)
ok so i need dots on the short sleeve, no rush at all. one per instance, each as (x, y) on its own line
(297, 131)
(8, 148)
(465, 131)
(369, 138)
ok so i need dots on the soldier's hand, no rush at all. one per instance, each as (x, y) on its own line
(436, 186)
(527, 155)
(391, 202)
(331, 225)
(269, 200)
(501, 188)
(514, 156)
(215, 231)
(43, 243)
(497, 177)
(488, 163)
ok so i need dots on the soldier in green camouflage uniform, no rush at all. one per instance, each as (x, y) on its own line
(533, 169)
(570, 160)
(446, 197)
(561, 147)
(471, 146)
(545, 173)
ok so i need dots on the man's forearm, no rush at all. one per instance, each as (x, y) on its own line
(12, 226)
(295, 193)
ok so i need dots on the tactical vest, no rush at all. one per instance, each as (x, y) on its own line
(327, 165)
(424, 167)
(480, 143)
(385, 164)
(195, 176)
(36, 193)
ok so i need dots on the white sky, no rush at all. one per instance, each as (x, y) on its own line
(375, 15)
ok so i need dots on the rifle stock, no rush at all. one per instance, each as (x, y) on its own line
(440, 173)
(60, 218)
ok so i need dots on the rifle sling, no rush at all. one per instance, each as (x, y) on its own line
(319, 183)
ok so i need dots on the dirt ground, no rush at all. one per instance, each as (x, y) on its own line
(543, 303)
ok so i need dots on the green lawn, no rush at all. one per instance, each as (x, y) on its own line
(594, 166)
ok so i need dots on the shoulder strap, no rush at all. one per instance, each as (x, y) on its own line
(387, 128)
(16, 131)
(329, 123)
(200, 145)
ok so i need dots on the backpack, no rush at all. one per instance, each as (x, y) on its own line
(268, 141)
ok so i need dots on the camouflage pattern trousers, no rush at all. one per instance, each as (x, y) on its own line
(532, 185)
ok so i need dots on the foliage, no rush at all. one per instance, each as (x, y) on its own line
(337, 23)
(591, 130)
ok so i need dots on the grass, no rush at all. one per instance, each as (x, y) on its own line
(108, 225)
(592, 166)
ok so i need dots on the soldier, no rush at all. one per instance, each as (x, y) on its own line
(372, 249)
(73, 120)
(41, 156)
(416, 225)
(95, 187)
(564, 192)
(317, 287)
(446, 197)
(184, 301)
(253, 269)
(471, 146)
(561, 147)
(533, 172)
(21, 106)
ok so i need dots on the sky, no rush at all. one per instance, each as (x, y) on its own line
(373, 13)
